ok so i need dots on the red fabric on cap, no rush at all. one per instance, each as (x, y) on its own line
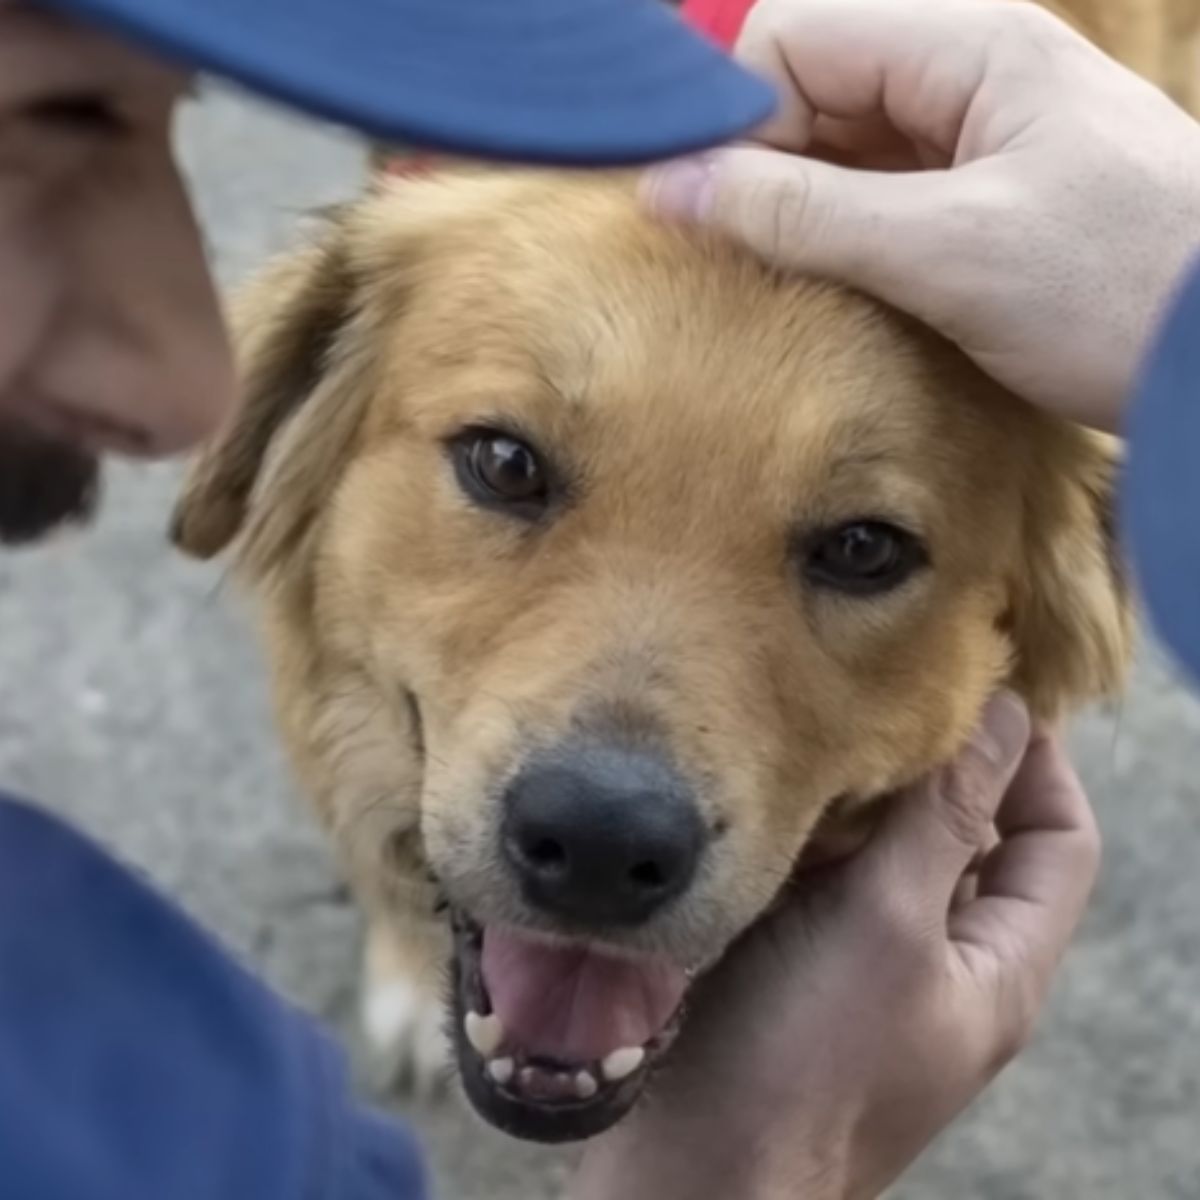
(409, 165)
(722, 20)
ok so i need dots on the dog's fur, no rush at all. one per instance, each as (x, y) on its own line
(707, 415)
(1159, 39)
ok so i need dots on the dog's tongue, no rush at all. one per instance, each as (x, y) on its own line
(574, 1004)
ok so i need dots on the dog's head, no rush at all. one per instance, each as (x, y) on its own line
(600, 563)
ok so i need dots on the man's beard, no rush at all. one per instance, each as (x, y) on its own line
(45, 482)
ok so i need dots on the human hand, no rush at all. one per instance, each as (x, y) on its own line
(855, 1022)
(980, 166)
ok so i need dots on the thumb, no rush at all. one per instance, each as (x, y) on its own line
(934, 829)
(876, 231)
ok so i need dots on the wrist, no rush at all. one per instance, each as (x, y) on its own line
(613, 1169)
(656, 1159)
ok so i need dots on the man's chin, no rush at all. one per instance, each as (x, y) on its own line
(45, 483)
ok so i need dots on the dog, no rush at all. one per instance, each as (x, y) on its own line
(600, 567)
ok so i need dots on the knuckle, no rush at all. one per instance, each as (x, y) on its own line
(777, 210)
(1027, 36)
(1023, 21)
(969, 796)
(1026, 15)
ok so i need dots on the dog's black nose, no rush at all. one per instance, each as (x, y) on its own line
(600, 835)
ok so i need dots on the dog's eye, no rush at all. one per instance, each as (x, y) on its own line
(863, 557)
(500, 470)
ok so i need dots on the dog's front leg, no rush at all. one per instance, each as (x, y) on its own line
(403, 1004)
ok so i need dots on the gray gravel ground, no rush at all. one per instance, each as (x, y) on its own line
(132, 701)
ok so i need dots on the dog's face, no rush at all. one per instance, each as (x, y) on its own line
(600, 565)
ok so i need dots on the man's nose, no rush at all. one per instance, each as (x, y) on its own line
(138, 346)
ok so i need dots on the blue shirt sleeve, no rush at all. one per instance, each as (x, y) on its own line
(1160, 500)
(138, 1061)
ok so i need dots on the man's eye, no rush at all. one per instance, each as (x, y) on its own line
(501, 471)
(85, 114)
(863, 558)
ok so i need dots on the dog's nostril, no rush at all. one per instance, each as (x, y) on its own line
(648, 875)
(547, 853)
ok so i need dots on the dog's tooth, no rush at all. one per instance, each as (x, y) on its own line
(501, 1070)
(622, 1063)
(484, 1033)
(585, 1085)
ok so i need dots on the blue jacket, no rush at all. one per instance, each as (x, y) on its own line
(139, 1062)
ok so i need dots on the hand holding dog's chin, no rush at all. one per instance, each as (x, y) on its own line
(804, 1067)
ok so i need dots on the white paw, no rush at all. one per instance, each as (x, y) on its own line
(404, 1028)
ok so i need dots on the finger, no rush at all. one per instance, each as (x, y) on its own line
(968, 885)
(1034, 887)
(869, 145)
(839, 836)
(933, 831)
(922, 66)
(790, 125)
(877, 232)
(991, 840)
(965, 891)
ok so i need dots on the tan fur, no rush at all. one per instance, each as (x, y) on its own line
(707, 411)
(1159, 39)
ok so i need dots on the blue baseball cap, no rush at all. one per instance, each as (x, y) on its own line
(1160, 507)
(576, 82)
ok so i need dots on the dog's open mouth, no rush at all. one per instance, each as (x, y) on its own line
(555, 1040)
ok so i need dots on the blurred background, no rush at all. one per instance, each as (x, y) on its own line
(132, 700)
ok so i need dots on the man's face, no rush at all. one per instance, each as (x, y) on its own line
(110, 335)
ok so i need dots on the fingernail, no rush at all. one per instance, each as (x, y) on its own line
(1003, 732)
(682, 189)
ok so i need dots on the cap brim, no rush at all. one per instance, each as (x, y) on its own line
(580, 82)
(1160, 507)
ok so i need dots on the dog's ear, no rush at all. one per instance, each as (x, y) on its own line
(1072, 613)
(288, 325)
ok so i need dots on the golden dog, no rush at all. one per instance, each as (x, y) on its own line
(599, 563)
